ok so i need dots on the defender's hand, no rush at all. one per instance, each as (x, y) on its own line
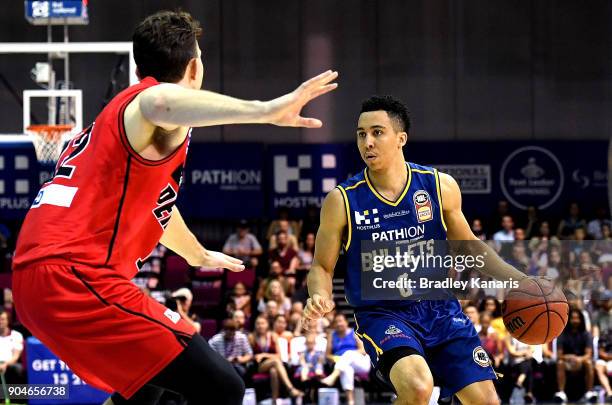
(212, 259)
(285, 110)
(317, 307)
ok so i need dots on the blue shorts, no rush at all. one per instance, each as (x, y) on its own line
(438, 330)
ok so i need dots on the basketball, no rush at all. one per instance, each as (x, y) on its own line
(536, 312)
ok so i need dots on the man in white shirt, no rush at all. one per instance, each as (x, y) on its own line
(11, 346)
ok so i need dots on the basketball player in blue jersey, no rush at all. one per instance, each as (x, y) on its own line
(410, 342)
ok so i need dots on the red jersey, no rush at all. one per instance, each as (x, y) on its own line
(106, 205)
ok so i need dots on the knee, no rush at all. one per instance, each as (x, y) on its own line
(561, 365)
(490, 401)
(417, 391)
(273, 372)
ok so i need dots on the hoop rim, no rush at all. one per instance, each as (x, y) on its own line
(43, 128)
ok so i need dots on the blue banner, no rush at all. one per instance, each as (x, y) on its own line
(546, 175)
(231, 181)
(301, 175)
(45, 368)
(223, 181)
(56, 11)
(20, 178)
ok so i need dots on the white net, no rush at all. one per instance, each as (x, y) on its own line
(49, 141)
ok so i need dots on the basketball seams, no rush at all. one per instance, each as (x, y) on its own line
(547, 309)
(529, 327)
(531, 306)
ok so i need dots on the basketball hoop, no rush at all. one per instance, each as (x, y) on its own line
(49, 141)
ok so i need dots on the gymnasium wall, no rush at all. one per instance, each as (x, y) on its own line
(468, 69)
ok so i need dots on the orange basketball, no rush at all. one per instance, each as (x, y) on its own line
(536, 312)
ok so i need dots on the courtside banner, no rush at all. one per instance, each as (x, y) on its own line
(45, 368)
(301, 175)
(20, 178)
(223, 181)
(547, 175)
(237, 180)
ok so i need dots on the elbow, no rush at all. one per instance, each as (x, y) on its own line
(154, 106)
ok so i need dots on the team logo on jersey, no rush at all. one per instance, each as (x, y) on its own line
(481, 357)
(422, 206)
(366, 218)
(173, 316)
(165, 203)
(392, 330)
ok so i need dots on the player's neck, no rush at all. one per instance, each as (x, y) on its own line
(391, 180)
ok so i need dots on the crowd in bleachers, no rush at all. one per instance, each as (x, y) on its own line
(254, 318)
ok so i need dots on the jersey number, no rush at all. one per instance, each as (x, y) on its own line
(78, 145)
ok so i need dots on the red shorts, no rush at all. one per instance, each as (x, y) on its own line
(100, 324)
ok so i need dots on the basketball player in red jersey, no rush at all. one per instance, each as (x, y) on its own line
(111, 200)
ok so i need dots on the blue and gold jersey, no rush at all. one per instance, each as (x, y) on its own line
(415, 216)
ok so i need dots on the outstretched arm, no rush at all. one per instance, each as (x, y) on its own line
(458, 229)
(179, 238)
(327, 248)
(170, 106)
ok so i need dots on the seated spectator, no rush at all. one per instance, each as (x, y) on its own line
(594, 227)
(478, 230)
(504, 237)
(503, 209)
(295, 318)
(184, 298)
(603, 246)
(601, 310)
(306, 252)
(243, 245)
(274, 292)
(283, 225)
(519, 235)
(543, 234)
(264, 345)
(279, 327)
(275, 272)
(575, 353)
(520, 355)
(239, 318)
(519, 258)
(603, 367)
(240, 300)
(491, 305)
(311, 360)
(573, 221)
(506, 234)
(491, 343)
(284, 254)
(471, 312)
(349, 355)
(270, 312)
(11, 347)
(233, 345)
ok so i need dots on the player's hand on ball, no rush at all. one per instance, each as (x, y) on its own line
(285, 110)
(317, 306)
(212, 259)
